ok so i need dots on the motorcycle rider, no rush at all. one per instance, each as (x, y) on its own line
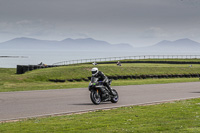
(101, 77)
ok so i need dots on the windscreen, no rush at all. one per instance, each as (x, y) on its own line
(93, 79)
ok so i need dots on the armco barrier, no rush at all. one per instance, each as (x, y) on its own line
(139, 57)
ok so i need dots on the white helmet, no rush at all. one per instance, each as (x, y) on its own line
(94, 71)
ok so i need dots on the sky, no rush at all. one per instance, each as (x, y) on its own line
(136, 22)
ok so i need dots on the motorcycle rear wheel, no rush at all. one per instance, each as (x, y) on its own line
(95, 97)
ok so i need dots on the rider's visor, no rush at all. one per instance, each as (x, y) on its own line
(93, 72)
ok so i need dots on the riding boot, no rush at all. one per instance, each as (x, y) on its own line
(111, 90)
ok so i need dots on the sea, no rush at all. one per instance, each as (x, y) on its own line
(12, 58)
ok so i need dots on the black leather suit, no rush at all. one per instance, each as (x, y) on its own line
(101, 77)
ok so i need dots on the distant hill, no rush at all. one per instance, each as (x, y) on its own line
(66, 44)
(89, 44)
(181, 44)
(27, 43)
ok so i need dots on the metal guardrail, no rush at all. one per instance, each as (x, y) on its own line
(128, 57)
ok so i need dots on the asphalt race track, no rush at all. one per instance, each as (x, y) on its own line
(26, 104)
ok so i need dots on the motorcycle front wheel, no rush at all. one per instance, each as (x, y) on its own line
(115, 98)
(95, 97)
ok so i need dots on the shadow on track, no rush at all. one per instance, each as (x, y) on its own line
(195, 92)
(91, 103)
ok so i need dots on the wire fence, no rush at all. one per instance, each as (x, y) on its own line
(128, 58)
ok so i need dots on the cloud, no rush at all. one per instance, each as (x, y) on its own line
(153, 32)
(26, 27)
(39, 29)
(109, 20)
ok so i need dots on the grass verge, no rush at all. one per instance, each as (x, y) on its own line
(180, 116)
(37, 85)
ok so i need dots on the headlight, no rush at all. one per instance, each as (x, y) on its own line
(90, 84)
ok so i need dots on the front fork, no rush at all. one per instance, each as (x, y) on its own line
(97, 94)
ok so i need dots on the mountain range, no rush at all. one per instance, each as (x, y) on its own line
(177, 45)
(96, 45)
(66, 44)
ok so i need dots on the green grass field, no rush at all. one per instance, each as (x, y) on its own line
(175, 117)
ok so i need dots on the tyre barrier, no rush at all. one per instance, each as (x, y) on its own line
(70, 80)
(134, 77)
(155, 76)
(78, 80)
(57, 80)
(21, 69)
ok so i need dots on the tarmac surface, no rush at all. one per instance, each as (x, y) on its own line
(28, 104)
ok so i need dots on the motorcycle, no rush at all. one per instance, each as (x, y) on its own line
(100, 93)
